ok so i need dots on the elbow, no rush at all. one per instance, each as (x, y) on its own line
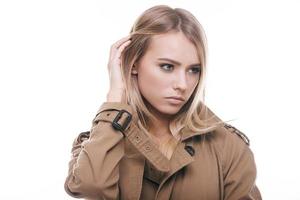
(81, 188)
(72, 190)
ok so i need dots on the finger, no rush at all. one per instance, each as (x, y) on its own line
(125, 44)
(116, 45)
(121, 48)
(121, 41)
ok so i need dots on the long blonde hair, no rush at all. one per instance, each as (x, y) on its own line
(158, 20)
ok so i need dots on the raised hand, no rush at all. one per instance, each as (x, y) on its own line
(116, 89)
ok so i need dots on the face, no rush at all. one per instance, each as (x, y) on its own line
(169, 68)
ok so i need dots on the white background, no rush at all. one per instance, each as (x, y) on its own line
(53, 78)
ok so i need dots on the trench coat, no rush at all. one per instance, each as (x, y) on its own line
(116, 160)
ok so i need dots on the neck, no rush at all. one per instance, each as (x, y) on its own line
(160, 127)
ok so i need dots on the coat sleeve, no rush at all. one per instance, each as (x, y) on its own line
(94, 166)
(239, 168)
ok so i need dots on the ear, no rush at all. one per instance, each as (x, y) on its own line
(134, 70)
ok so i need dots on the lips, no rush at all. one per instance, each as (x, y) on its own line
(176, 97)
(175, 101)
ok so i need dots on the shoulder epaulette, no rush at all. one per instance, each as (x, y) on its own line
(238, 132)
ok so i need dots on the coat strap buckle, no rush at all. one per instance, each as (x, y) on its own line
(121, 127)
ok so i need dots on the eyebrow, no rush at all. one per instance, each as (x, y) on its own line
(176, 62)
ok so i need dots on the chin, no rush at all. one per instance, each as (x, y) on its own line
(168, 110)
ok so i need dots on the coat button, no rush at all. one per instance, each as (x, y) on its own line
(190, 150)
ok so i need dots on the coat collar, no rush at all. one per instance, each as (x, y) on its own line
(143, 142)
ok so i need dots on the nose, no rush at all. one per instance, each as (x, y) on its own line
(180, 81)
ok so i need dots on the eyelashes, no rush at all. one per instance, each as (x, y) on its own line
(196, 70)
(170, 67)
(166, 68)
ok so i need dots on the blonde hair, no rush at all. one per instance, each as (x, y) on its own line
(158, 20)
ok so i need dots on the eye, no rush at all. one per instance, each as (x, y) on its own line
(166, 67)
(195, 70)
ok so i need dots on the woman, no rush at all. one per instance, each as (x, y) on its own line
(154, 138)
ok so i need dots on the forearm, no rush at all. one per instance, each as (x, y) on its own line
(94, 167)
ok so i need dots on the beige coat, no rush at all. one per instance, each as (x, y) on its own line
(106, 164)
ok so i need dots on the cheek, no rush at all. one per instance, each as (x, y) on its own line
(152, 83)
(193, 84)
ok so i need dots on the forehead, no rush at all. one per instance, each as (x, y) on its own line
(173, 45)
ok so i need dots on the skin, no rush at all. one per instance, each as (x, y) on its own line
(116, 87)
(158, 79)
